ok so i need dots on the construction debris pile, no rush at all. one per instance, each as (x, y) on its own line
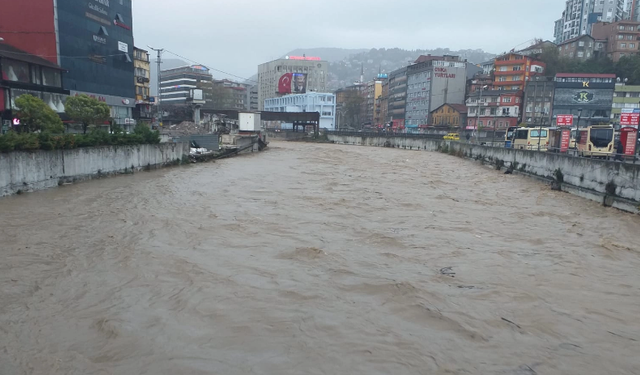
(185, 128)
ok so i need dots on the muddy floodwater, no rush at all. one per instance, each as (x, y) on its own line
(318, 259)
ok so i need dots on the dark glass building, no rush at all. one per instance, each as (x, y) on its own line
(95, 41)
(92, 40)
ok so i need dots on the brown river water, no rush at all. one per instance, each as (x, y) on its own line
(318, 259)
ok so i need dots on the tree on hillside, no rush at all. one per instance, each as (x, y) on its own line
(353, 109)
(87, 111)
(35, 115)
(629, 67)
(222, 97)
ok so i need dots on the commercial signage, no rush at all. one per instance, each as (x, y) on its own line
(442, 73)
(116, 101)
(99, 39)
(102, 2)
(303, 58)
(292, 83)
(383, 76)
(628, 138)
(564, 120)
(630, 119)
(123, 47)
(565, 138)
(98, 9)
(98, 19)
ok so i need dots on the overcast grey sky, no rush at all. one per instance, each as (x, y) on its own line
(237, 35)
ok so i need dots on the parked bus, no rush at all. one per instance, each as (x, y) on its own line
(596, 141)
(508, 137)
(574, 135)
(536, 139)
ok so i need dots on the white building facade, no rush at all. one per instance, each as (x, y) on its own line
(270, 76)
(323, 103)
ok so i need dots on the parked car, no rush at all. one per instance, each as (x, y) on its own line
(452, 137)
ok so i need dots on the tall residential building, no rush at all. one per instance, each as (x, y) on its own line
(291, 75)
(538, 101)
(177, 85)
(431, 82)
(229, 94)
(621, 38)
(251, 102)
(625, 98)
(142, 73)
(373, 103)
(579, 17)
(61, 31)
(397, 103)
(513, 70)
(325, 104)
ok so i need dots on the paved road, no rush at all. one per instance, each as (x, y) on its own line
(318, 259)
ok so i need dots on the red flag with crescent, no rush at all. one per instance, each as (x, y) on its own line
(284, 86)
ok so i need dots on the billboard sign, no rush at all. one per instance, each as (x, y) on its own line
(628, 138)
(305, 58)
(630, 119)
(295, 83)
(564, 120)
(565, 139)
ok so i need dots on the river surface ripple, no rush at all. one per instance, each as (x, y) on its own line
(318, 259)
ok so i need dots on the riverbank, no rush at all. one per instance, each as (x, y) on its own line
(607, 182)
(22, 172)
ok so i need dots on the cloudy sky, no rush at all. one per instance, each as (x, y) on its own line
(237, 35)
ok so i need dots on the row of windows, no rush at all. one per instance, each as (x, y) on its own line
(629, 46)
(626, 94)
(512, 78)
(18, 71)
(513, 68)
(580, 80)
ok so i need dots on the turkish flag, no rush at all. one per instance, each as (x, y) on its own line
(284, 86)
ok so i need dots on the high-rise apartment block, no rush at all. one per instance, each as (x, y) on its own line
(579, 17)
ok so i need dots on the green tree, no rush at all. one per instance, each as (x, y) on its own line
(629, 67)
(35, 115)
(87, 111)
(353, 108)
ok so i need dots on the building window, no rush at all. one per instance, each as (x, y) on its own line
(629, 37)
(36, 75)
(15, 71)
(51, 77)
(623, 45)
(517, 68)
(506, 100)
(620, 36)
(581, 43)
(503, 68)
(580, 54)
(632, 45)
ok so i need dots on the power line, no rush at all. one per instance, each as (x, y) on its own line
(217, 70)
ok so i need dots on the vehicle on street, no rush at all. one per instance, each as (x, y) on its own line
(452, 137)
(509, 135)
(536, 139)
(596, 141)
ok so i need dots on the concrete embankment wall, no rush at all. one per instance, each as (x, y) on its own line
(30, 171)
(591, 178)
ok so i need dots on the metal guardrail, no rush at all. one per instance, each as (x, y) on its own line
(383, 134)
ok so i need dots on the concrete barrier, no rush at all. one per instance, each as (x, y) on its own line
(590, 178)
(38, 170)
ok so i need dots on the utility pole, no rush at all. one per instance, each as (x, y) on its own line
(158, 94)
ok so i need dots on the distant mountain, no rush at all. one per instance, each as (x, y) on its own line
(166, 64)
(326, 54)
(346, 71)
